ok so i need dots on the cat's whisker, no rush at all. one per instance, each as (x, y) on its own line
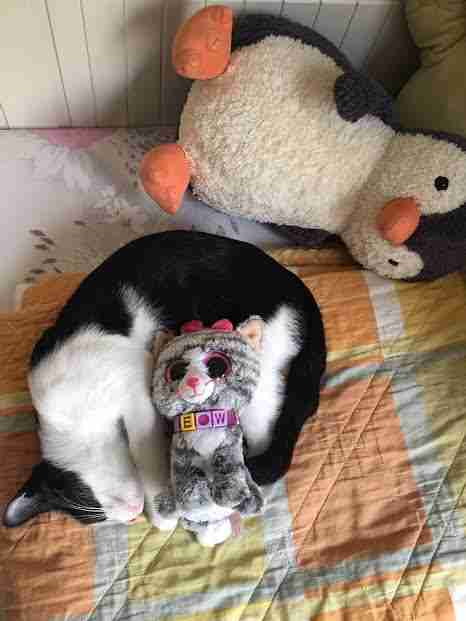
(85, 509)
(88, 507)
(74, 505)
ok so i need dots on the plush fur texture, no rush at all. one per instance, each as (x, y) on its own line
(413, 162)
(253, 168)
(208, 472)
(240, 382)
(291, 134)
(104, 447)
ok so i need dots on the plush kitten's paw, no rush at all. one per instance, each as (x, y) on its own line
(161, 511)
(229, 493)
(163, 523)
(253, 504)
(214, 533)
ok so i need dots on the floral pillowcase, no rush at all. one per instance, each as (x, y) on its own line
(73, 197)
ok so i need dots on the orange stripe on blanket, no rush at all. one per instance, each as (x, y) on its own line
(52, 288)
(431, 606)
(48, 565)
(20, 452)
(20, 331)
(351, 489)
(17, 409)
(18, 334)
(336, 293)
(383, 583)
(49, 569)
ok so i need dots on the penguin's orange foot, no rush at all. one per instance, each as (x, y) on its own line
(202, 46)
(165, 174)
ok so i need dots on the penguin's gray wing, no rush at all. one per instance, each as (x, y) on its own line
(357, 95)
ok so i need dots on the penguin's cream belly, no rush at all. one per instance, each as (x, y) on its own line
(265, 139)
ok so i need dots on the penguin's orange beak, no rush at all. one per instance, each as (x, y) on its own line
(398, 220)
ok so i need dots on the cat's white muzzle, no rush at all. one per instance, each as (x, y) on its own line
(123, 511)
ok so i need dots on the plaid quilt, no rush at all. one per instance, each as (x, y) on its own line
(369, 524)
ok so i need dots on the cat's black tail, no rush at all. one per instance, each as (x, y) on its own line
(301, 401)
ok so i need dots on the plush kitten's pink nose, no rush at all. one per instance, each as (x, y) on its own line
(192, 382)
(398, 220)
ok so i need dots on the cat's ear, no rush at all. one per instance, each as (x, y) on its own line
(161, 339)
(252, 330)
(28, 502)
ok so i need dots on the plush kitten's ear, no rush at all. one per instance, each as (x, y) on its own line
(161, 339)
(252, 330)
(28, 502)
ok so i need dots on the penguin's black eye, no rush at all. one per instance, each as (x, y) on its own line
(441, 184)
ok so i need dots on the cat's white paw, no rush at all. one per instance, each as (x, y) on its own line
(215, 533)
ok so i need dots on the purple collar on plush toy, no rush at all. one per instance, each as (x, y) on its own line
(205, 419)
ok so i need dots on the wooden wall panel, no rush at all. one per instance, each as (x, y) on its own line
(333, 20)
(105, 27)
(107, 62)
(67, 22)
(366, 24)
(144, 29)
(263, 6)
(393, 57)
(3, 119)
(237, 5)
(31, 89)
(303, 12)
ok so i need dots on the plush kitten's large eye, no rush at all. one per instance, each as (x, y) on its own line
(176, 371)
(441, 184)
(217, 365)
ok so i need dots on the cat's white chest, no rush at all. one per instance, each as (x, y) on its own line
(205, 442)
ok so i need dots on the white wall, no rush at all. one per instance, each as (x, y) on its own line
(107, 62)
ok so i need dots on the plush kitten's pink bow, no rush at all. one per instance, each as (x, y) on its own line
(223, 325)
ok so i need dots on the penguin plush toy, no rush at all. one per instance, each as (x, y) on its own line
(280, 128)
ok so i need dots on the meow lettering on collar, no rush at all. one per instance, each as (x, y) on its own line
(205, 419)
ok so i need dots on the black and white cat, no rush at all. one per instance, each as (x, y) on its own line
(103, 446)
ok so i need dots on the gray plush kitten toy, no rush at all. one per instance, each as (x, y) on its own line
(203, 380)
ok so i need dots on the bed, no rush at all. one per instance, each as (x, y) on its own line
(368, 525)
(71, 197)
